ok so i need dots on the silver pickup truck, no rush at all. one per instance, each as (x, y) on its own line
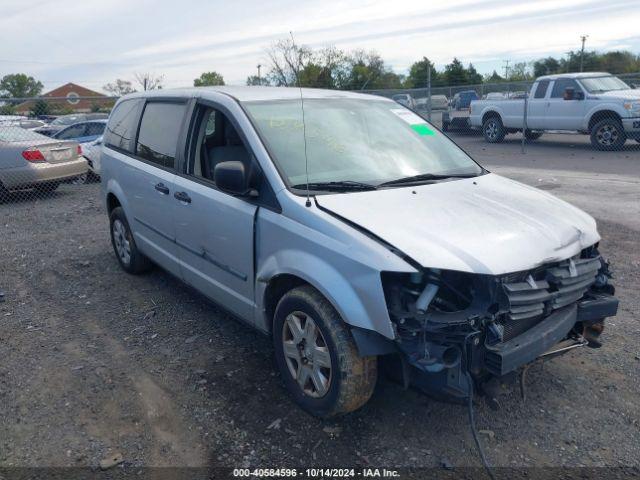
(596, 104)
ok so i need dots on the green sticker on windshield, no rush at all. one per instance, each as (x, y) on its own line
(422, 129)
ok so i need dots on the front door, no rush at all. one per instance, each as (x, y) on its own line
(564, 114)
(215, 230)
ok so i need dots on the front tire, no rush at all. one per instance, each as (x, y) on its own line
(608, 135)
(493, 130)
(129, 257)
(317, 357)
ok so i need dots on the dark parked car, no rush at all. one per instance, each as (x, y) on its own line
(463, 99)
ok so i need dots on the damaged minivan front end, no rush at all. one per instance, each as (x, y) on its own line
(449, 324)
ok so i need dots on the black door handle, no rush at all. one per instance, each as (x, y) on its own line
(162, 188)
(182, 196)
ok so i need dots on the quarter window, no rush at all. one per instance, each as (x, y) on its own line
(560, 85)
(159, 131)
(122, 125)
(541, 89)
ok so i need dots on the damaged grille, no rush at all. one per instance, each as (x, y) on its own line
(545, 290)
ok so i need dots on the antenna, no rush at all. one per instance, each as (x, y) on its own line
(304, 127)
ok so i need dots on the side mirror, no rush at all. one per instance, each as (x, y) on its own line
(231, 177)
(99, 141)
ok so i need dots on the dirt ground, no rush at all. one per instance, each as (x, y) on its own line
(95, 362)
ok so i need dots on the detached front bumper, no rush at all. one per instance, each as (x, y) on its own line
(510, 355)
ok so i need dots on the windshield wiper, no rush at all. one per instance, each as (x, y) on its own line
(343, 185)
(425, 177)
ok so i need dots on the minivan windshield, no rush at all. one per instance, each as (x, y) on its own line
(603, 84)
(351, 141)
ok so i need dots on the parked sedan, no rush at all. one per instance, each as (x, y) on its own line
(82, 132)
(67, 120)
(31, 160)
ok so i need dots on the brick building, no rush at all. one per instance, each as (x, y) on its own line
(68, 100)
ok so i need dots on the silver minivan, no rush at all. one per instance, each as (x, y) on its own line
(354, 233)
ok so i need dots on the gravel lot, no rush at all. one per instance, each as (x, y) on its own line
(95, 362)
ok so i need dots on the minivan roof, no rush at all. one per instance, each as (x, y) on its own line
(251, 93)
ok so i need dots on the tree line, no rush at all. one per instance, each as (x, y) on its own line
(290, 64)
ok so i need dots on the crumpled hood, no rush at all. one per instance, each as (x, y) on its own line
(631, 94)
(487, 224)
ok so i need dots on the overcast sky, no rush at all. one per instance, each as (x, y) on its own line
(94, 42)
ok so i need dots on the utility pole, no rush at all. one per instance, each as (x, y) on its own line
(259, 79)
(584, 39)
(506, 69)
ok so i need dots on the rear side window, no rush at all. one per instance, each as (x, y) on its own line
(561, 85)
(122, 125)
(159, 131)
(541, 89)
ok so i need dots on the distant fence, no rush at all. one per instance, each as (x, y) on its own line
(632, 79)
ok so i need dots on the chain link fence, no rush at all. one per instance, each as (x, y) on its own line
(51, 143)
(449, 108)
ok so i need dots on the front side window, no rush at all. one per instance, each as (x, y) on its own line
(560, 85)
(159, 130)
(121, 127)
(354, 140)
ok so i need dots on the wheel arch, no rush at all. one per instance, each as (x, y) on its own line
(601, 115)
(276, 278)
(491, 113)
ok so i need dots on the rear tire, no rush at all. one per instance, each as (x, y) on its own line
(608, 135)
(129, 257)
(493, 130)
(317, 357)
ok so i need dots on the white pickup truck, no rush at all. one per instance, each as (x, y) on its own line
(596, 104)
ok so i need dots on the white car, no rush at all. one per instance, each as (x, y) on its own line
(596, 104)
(92, 152)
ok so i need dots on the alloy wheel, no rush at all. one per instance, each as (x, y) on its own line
(123, 247)
(307, 354)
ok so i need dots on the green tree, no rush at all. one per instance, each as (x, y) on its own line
(455, 73)
(253, 80)
(473, 77)
(493, 78)
(546, 66)
(41, 107)
(7, 109)
(209, 79)
(419, 74)
(19, 85)
(520, 72)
